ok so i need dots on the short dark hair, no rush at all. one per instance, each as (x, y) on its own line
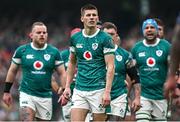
(159, 22)
(37, 23)
(87, 7)
(109, 25)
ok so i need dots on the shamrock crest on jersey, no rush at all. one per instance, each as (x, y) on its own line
(159, 53)
(119, 58)
(150, 61)
(47, 57)
(38, 65)
(94, 46)
(87, 55)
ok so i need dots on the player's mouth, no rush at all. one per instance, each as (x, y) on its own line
(92, 22)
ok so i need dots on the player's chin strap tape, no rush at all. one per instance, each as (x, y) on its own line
(133, 74)
(7, 87)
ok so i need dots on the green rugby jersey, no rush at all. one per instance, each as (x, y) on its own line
(37, 68)
(90, 51)
(122, 58)
(152, 63)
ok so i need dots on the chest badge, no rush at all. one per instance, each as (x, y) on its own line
(94, 46)
(119, 58)
(159, 53)
(47, 57)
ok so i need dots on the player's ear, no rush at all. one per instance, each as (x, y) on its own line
(30, 35)
(82, 19)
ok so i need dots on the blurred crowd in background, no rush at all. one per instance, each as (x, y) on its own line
(15, 25)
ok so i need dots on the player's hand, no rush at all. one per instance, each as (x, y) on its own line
(7, 99)
(63, 100)
(136, 105)
(106, 99)
(60, 91)
(169, 87)
(65, 97)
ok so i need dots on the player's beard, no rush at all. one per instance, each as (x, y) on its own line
(40, 43)
(150, 40)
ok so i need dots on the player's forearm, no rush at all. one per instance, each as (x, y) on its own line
(137, 90)
(54, 85)
(63, 78)
(70, 74)
(11, 75)
(109, 78)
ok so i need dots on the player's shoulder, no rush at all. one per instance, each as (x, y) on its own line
(76, 35)
(23, 47)
(138, 43)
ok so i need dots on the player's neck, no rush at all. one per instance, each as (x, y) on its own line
(90, 31)
(38, 46)
(153, 41)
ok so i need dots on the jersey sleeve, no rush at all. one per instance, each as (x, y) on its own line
(72, 46)
(18, 54)
(129, 62)
(109, 47)
(58, 59)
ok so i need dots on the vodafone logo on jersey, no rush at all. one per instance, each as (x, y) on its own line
(150, 62)
(38, 65)
(87, 55)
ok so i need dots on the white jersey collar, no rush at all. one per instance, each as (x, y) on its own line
(152, 45)
(35, 48)
(90, 36)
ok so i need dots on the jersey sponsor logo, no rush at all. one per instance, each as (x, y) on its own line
(38, 65)
(29, 56)
(94, 46)
(79, 45)
(141, 54)
(159, 53)
(47, 57)
(119, 58)
(87, 55)
(150, 62)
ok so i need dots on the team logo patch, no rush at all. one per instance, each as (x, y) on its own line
(159, 53)
(79, 45)
(150, 62)
(38, 65)
(87, 55)
(141, 54)
(118, 57)
(94, 46)
(47, 57)
(29, 56)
